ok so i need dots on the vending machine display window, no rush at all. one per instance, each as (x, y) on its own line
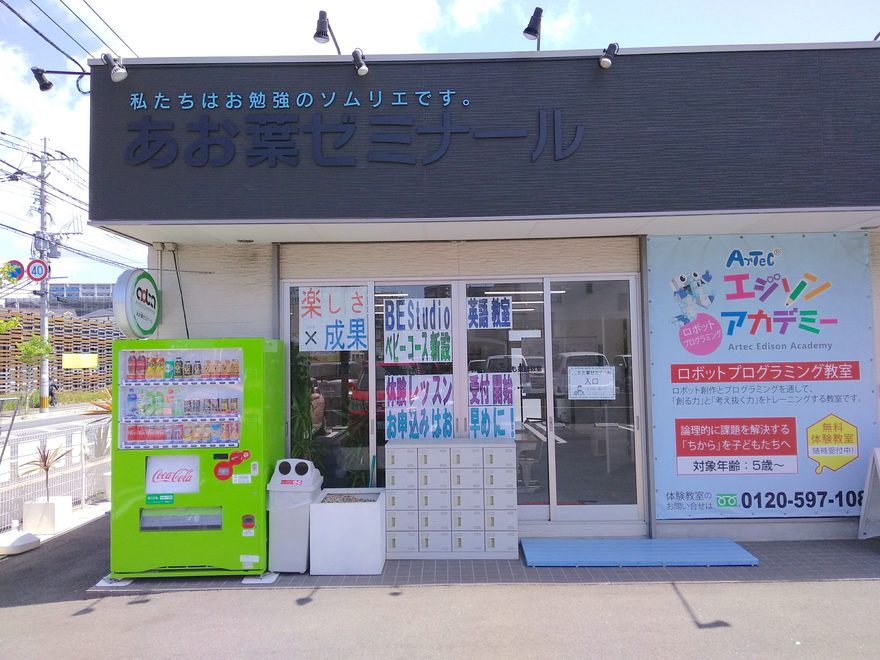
(180, 398)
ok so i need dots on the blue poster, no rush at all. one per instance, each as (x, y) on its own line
(762, 374)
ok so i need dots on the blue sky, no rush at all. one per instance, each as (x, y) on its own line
(167, 28)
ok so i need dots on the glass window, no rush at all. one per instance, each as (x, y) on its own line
(506, 377)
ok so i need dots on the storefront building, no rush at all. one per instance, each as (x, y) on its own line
(655, 278)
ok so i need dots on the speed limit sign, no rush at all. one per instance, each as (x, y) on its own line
(37, 270)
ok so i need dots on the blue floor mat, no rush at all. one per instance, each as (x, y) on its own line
(635, 552)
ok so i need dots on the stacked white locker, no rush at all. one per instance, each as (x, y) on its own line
(451, 499)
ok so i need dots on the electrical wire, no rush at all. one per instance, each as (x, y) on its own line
(88, 27)
(72, 38)
(44, 37)
(108, 27)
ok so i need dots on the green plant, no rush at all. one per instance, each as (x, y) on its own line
(45, 461)
(31, 353)
(303, 441)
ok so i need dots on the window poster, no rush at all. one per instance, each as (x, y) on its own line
(332, 318)
(418, 407)
(417, 330)
(491, 413)
(490, 313)
(762, 352)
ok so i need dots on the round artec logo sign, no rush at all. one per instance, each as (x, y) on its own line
(136, 303)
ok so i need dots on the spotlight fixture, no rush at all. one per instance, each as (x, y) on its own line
(46, 84)
(360, 62)
(608, 54)
(40, 76)
(323, 30)
(118, 73)
(533, 29)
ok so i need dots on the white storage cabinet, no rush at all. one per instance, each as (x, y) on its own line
(451, 499)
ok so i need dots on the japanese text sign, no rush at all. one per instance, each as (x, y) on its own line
(491, 412)
(591, 383)
(417, 330)
(418, 407)
(333, 318)
(489, 313)
(762, 374)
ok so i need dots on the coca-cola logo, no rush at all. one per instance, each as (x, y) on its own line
(180, 476)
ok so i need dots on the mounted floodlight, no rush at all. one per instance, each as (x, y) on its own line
(360, 62)
(40, 76)
(46, 84)
(533, 29)
(118, 73)
(608, 54)
(323, 32)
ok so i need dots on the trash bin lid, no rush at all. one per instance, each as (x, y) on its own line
(295, 474)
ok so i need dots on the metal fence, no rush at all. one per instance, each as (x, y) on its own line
(78, 474)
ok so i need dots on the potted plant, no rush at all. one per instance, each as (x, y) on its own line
(99, 432)
(47, 515)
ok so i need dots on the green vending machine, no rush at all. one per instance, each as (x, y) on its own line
(198, 426)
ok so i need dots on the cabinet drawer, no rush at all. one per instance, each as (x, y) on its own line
(433, 521)
(433, 457)
(467, 457)
(402, 521)
(401, 457)
(433, 478)
(435, 541)
(401, 500)
(402, 542)
(500, 478)
(500, 498)
(434, 500)
(468, 542)
(468, 519)
(499, 457)
(468, 478)
(467, 499)
(401, 478)
(501, 541)
(501, 519)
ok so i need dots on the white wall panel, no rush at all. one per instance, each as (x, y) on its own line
(459, 258)
(227, 290)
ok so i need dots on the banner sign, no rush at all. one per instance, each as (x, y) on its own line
(136, 303)
(333, 318)
(492, 413)
(490, 313)
(417, 330)
(762, 374)
(418, 407)
(168, 473)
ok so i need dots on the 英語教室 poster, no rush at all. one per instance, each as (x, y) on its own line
(762, 374)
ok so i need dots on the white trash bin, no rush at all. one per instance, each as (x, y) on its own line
(295, 484)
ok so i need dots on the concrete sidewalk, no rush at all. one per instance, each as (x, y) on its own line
(809, 602)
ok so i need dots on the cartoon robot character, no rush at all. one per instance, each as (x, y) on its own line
(691, 291)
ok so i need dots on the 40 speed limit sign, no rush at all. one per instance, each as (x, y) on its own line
(37, 270)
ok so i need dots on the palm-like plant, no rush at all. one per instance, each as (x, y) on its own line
(45, 461)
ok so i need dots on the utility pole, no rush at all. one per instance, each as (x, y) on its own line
(44, 284)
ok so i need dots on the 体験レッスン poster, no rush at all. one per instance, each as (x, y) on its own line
(763, 397)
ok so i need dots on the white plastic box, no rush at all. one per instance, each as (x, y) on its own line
(348, 538)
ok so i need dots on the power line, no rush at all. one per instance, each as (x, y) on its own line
(45, 38)
(62, 29)
(88, 27)
(110, 28)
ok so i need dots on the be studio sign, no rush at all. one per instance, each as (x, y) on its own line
(136, 303)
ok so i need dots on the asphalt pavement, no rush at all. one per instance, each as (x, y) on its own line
(46, 611)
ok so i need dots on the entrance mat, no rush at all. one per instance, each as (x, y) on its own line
(635, 552)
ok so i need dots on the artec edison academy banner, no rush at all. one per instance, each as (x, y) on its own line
(762, 363)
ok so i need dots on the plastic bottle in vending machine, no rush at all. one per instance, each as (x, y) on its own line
(187, 369)
(169, 368)
(197, 369)
(131, 408)
(236, 369)
(140, 366)
(178, 367)
(131, 370)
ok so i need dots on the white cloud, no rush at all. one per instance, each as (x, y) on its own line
(561, 30)
(473, 14)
